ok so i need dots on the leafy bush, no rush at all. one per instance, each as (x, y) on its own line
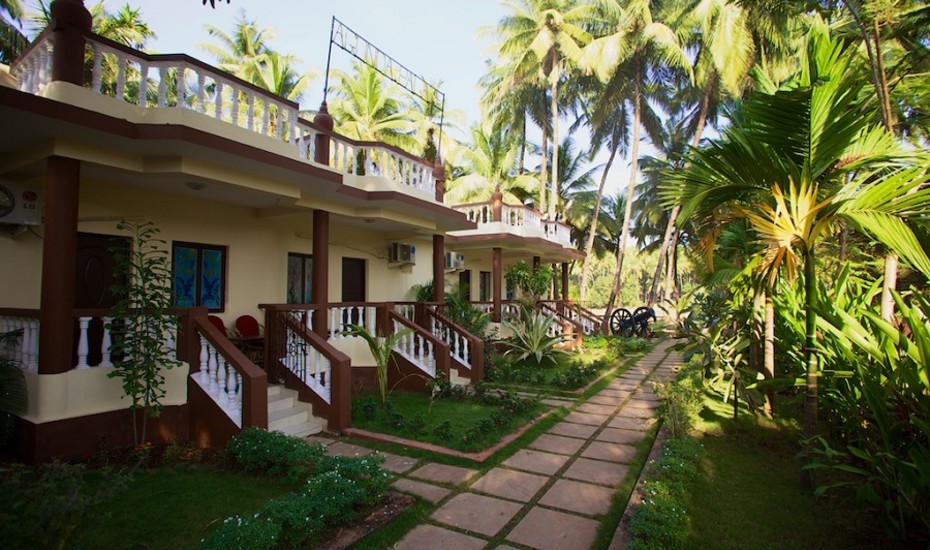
(42, 507)
(531, 340)
(272, 453)
(342, 488)
(660, 521)
(683, 401)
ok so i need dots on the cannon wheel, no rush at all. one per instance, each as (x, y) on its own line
(642, 328)
(621, 322)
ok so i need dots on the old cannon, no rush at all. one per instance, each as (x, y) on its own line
(624, 323)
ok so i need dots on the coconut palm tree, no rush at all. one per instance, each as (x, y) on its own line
(276, 73)
(12, 40)
(367, 108)
(794, 164)
(488, 163)
(242, 52)
(542, 40)
(626, 59)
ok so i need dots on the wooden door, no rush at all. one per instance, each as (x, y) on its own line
(353, 280)
(94, 281)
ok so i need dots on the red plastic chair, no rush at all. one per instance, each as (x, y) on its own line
(218, 323)
(248, 327)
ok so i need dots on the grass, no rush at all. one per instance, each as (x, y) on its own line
(748, 492)
(464, 424)
(175, 508)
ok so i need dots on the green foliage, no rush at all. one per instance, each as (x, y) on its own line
(529, 285)
(342, 488)
(661, 520)
(883, 411)
(381, 348)
(42, 507)
(13, 393)
(258, 451)
(424, 292)
(460, 311)
(142, 324)
(531, 339)
(684, 399)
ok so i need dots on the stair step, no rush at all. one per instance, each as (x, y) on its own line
(312, 426)
(282, 399)
(277, 420)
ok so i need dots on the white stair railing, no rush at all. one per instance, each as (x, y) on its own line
(220, 380)
(307, 363)
(417, 349)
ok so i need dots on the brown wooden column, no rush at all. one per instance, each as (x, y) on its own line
(497, 276)
(59, 260)
(320, 276)
(565, 281)
(555, 283)
(69, 19)
(325, 123)
(439, 267)
(439, 173)
(497, 204)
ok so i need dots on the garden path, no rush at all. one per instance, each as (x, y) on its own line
(551, 495)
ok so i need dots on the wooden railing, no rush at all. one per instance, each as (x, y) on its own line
(562, 317)
(236, 385)
(178, 81)
(590, 321)
(421, 348)
(465, 348)
(308, 363)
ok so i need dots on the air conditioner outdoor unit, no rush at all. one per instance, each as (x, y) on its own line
(19, 204)
(455, 260)
(402, 253)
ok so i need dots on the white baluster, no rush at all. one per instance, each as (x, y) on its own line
(204, 371)
(251, 112)
(279, 127)
(83, 347)
(301, 146)
(98, 68)
(231, 383)
(265, 113)
(211, 374)
(218, 106)
(234, 108)
(201, 83)
(162, 86)
(220, 385)
(121, 63)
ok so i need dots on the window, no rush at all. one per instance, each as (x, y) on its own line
(484, 286)
(199, 275)
(299, 278)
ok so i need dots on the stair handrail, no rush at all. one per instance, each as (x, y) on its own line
(466, 348)
(421, 348)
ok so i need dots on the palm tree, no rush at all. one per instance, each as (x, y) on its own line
(366, 108)
(276, 73)
(542, 39)
(797, 162)
(12, 40)
(242, 52)
(575, 178)
(625, 59)
(488, 164)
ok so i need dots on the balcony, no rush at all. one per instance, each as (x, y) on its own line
(179, 90)
(514, 220)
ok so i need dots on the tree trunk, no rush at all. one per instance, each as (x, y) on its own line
(671, 287)
(522, 168)
(544, 167)
(673, 216)
(592, 231)
(554, 190)
(811, 422)
(769, 351)
(630, 191)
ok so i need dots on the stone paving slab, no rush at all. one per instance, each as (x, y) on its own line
(397, 463)
(510, 484)
(616, 435)
(597, 409)
(442, 473)
(557, 444)
(602, 399)
(347, 449)
(614, 452)
(578, 497)
(428, 491)
(596, 471)
(430, 537)
(638, 403)
(637, 413)
(586, 418)
(550, 530)
(535, 461)
(573, 430)
(477, 513)
(557, 402)
(639, 424)
(614, 392)
(320, 439)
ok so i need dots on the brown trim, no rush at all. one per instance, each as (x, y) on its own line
(321, 272)
(421, 204)
(497, 276)
(439, 267)
(556, 248)
(564, 281)
(78, 438)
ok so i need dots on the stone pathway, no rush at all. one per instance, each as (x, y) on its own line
(550, 495)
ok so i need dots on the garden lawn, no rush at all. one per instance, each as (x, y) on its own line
(462, 424)
(175, 507)
(749, 494)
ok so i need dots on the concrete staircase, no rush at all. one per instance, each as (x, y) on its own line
(288, 415)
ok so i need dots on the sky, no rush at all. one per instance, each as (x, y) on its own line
(437, 39)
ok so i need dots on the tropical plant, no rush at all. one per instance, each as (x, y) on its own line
(382, 348)
(12, 41)
(13, 393)
(528, 284)
(489, 164)
(533, 338)
(143, 328)
(367, 108)
(795, 163)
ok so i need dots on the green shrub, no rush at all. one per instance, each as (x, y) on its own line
(683, 401)
(41, 507)
(272, 453)
(531, 341)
